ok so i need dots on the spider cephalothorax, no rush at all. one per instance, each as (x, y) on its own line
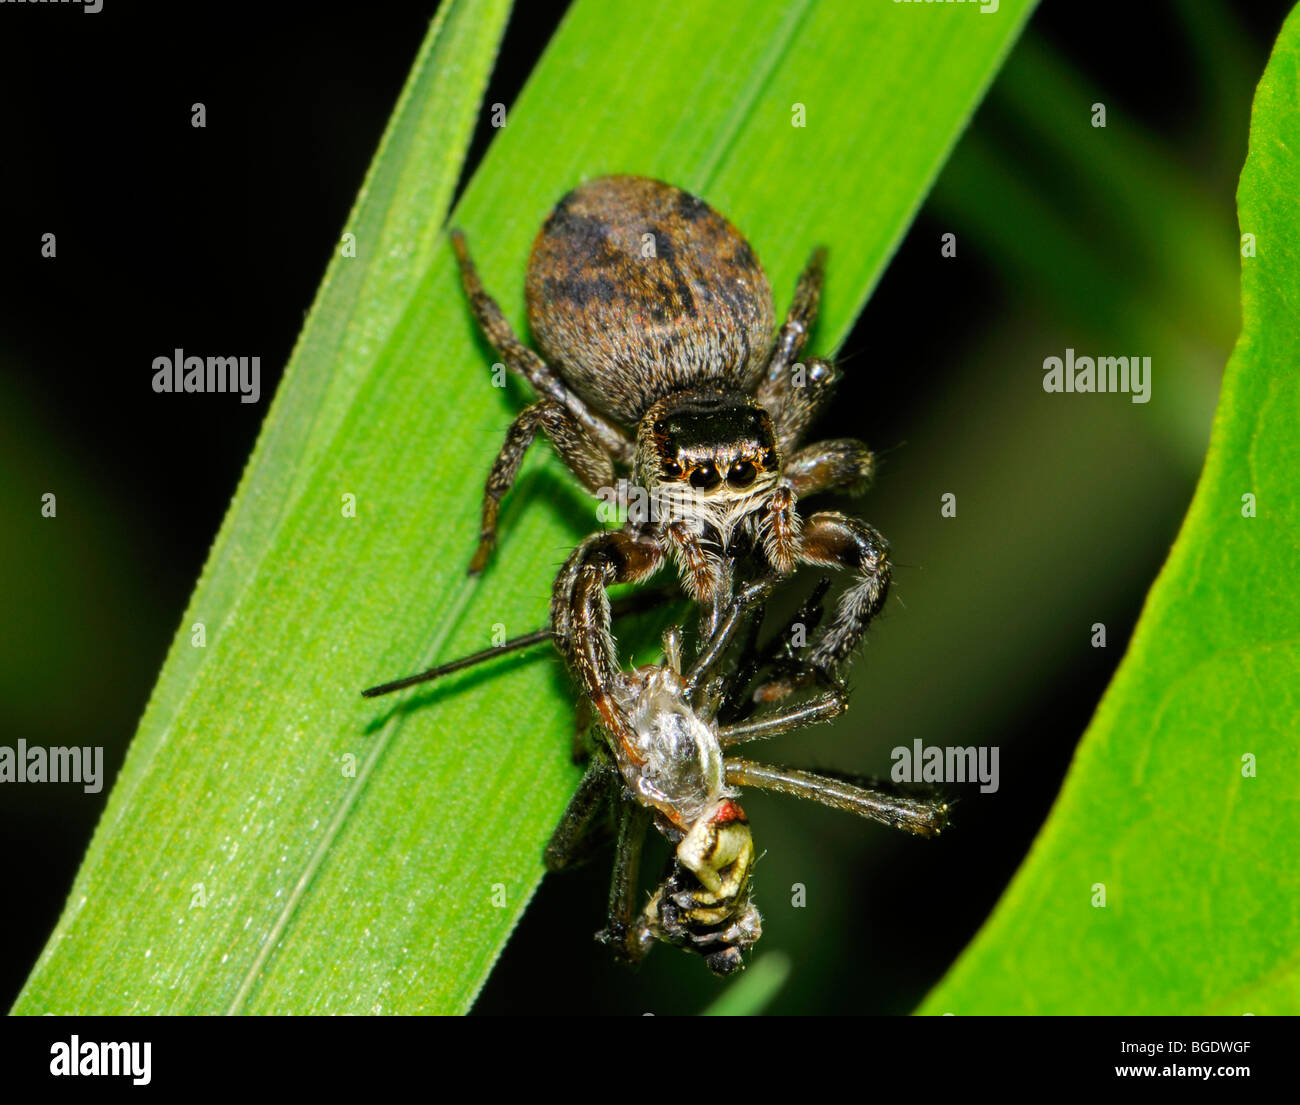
(710, 464)
(657, 320)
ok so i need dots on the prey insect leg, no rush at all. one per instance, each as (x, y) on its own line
(630, 938)
(922, 816)
(572, 842)
(779, 657)
(823, 707)
(636, 603)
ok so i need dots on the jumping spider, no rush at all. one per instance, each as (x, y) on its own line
(658, 323)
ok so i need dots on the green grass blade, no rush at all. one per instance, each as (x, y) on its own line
(360, 856)
(1182, 796)
(396, 224)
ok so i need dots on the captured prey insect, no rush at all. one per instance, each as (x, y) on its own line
(685, 782)
(658, 324)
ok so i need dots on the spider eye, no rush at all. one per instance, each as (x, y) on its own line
(672, 469)
(660, 426)
(742, 474)
(769, 460)
(705, 477)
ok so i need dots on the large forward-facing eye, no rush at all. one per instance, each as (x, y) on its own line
(705, 477)
(742, 473)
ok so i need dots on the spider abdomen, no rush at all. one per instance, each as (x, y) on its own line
(639, 289)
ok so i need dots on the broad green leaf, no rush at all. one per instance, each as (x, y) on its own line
(362, 856)
(1181, 801)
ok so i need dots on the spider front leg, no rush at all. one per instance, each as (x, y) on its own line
(840, 464)
(584, 458)
(580, 617)
(798, 398)
(832, 540)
